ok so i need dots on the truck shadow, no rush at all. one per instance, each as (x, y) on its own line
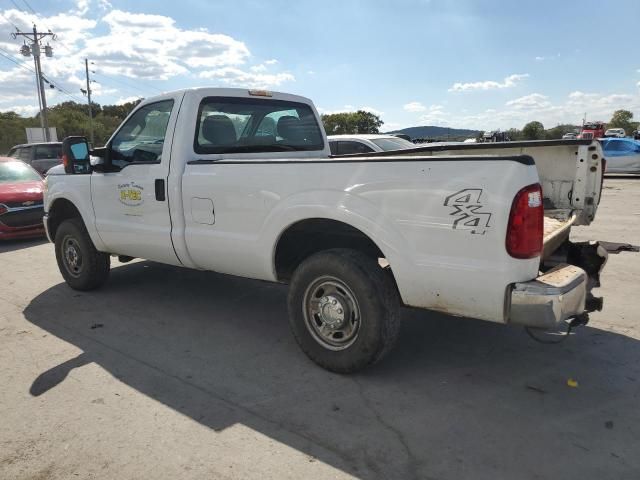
(13, 245)
(457, 398)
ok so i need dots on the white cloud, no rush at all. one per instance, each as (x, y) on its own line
(123, 100)
(532, 101)
(237, 77)
(508, 82)
(539, 59)
(372, 110)
(414, 107)
(569, 110)
(120, 43)
(349, 108)
(436, 115)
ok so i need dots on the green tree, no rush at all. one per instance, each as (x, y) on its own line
(351, 122)
(623, 119)
(69, 118)
(533, 131)
(559, 130)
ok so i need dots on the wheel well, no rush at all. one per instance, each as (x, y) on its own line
(61, 210)
(302, 239)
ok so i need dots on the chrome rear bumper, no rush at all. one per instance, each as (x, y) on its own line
(552, 298)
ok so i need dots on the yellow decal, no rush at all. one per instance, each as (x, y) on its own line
(130, 194)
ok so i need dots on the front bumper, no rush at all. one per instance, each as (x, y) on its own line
(45, 222)
(551, 299)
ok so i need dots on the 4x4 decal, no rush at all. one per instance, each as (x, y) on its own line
(467, 205)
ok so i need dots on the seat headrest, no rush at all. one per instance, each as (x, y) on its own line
(219, 130)
(290, 128)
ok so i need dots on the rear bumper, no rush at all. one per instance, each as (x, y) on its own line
(550, 299)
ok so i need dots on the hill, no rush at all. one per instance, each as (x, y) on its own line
(437, 132)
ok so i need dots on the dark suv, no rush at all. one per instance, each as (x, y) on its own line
(41, 156)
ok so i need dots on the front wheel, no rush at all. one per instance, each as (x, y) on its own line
(82, 266)
(343, 310)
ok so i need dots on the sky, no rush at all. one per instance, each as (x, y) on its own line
(483, 65)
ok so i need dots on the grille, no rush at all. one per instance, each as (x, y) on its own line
(24, 218)
(37, 203)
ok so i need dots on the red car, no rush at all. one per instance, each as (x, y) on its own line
(21, 208)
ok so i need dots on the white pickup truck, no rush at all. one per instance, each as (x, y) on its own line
(242, 182)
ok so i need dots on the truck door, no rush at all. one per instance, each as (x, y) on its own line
(129, 197)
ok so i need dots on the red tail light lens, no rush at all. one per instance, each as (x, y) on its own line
(526, 223)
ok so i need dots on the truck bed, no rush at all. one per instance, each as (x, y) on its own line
(557, 226)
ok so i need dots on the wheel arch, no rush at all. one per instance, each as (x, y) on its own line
(305, 237)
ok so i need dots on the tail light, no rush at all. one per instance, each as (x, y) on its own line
(526, 223)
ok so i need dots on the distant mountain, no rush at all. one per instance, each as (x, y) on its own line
(437, 132)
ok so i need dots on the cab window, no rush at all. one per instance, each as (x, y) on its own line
(141, 138)
(48, 151)
(349, 147)
(24, 154)
(248, 125)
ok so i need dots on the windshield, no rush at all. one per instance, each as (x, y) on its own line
(592, 126)
(13, 172)
(234, 125)
(392, 143)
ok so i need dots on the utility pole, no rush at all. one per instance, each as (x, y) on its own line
(86, 69)
(34, 49)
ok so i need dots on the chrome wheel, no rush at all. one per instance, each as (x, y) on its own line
(72, 256)
(331, 313)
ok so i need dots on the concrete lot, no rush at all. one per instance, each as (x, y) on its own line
(174, 374)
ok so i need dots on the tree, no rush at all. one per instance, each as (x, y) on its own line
(559, 130)
(623, 119)
(533, 131)
(351, 122)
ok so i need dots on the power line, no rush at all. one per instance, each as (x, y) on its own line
(131, 89)
(28, 6)
(46, 78)
(130, 85)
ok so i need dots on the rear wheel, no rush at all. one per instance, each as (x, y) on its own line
(81, 265)
(343, 310)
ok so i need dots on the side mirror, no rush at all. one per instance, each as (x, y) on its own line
(75, 155)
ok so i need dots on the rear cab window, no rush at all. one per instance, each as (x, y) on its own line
(24, 154)
(254, 125)
(347, 147)
(49, 152)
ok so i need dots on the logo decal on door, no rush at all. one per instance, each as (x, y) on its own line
(130, 194)
(466, 204)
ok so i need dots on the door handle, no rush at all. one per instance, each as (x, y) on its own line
(160, 195)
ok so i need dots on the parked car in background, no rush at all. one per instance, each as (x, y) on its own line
(404, 136)
(570, 136)
(347, 144)
(636, 135)
(41, 156)
(21, 210)
(592, 130)
(615, 132)
(622, 154)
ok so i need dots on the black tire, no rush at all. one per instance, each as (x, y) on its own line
(350, 278)
(90, 268)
